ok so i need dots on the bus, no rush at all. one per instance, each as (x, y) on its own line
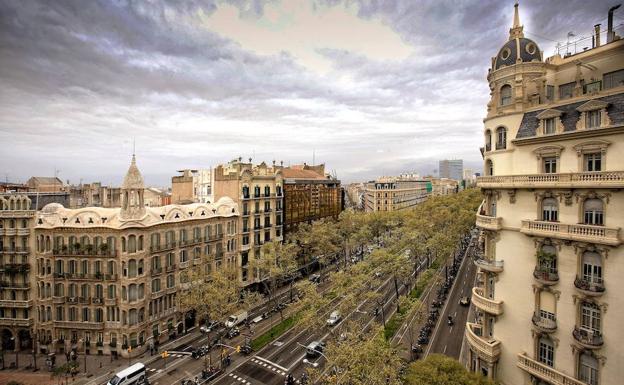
(134, 374)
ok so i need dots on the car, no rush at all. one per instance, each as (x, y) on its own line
(233, 332)
(210, 326)
(334, 318)
(315, 349)
(315, 278)
(464, 301)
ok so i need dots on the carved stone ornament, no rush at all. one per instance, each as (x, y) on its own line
(592, 195)
(512, 196)
(592, 146)
(550, 150)
(544, 194)
(582, 247)
(565, 196)
(549, 113)
(592, 105)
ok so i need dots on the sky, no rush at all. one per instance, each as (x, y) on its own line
(368, 87)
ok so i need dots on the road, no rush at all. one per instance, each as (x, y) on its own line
(448, 339)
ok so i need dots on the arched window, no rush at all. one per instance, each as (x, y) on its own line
(546, 351)
(267, 191)
(132, 292)
(257, 191)
(501, 138)
(132, 268)
(547, 260)
(593, 213)
(590, 319)
(169, 238)
(245, 191)
(279, 190)
(110, 242)
(588, 368)
(592, 268)
(488, 140)
(111, 292)
(155, 241)
(550, 210)
(489, 167)
(132, 247)
(505, 95)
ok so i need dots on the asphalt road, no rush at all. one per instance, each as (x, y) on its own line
(448, 339)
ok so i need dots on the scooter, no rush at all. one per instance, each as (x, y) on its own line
(450, 321)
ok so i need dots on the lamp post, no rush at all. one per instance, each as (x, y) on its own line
(34, 349)
(16, 352)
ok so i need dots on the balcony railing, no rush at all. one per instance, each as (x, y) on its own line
(599, 179)
(14, 285)
(546, 276)
(170, 268)
(487, 348)
(589, 287)
(14, 250)
(19, 303)
(85, 252)
(489, 223)
(588, 339)
(583, 233)
(162, 247)
(544, 324)
(16, 321)
(488, 305)
(79, 325)
(489, 265)
(545, 372)
(156, 271)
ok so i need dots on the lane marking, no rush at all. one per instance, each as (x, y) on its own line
(272, 363)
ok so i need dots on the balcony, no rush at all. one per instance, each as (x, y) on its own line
(489, 223)
(14, 268)
(582, 233)
(22, 304)
(87, 251)
(16, 321)
(156, 271)
(600, 179)
(245, 213)
(487, 305)
(545, 372)
(185, 264)
(246, 230)
(170, 268)
(487, 348)
(15, 250)
(14, 285)
(79, 325)
(590, 339)
(164, 247)
(546, 276)
(490, 265)
(544, 324)
(590, 287)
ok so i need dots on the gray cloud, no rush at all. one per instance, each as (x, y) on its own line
(81, 79)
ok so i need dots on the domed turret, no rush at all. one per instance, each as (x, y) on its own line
(517, 49)
(132, 191)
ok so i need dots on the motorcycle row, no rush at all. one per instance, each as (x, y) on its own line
(441, 295)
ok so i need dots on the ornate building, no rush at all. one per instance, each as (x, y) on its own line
(391, 194)
(309, 194)
(551, 260)
(258, 191)
(106, 279)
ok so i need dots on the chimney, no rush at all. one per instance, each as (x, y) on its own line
(610, 32)
(597, 29)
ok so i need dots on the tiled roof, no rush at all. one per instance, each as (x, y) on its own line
(300, 174)
(47, 179)
(569, 116)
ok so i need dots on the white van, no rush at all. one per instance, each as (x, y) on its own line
(236, 319)
(134, 374)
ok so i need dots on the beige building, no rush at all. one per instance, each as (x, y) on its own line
(94, 195)
(549, 310)
(394, 193)
(106, 279)
(258, 191)
(192, 186)
(45, 184)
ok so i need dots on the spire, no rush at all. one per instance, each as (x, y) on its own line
(132, 189)
(516, 30)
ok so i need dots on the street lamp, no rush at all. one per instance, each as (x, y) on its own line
(33, 334)
(16, 352)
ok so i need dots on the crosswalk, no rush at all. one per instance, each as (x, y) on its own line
(268, 366)
(239, 379)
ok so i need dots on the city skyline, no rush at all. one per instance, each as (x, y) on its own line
(204, 83)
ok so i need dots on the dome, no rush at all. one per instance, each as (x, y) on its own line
(52, 208)
(518, 50)
(133, 178)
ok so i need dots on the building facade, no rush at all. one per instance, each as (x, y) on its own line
(551, 261)
(258, 191)
(309, 194)
(192, 186)
(451, 169)
(391, 194)
(94, 195)
(45, 184)
(107, 279)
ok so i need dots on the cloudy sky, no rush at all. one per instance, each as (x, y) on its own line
(373, 87)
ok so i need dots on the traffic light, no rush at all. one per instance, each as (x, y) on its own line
(237, 348)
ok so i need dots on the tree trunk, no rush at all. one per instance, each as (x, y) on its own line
(396, 291)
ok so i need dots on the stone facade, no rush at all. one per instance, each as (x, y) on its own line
(551, 257)
(391, 194)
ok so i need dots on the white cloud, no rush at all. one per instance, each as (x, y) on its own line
(301, 30)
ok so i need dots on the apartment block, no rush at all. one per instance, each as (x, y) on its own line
(551, 260)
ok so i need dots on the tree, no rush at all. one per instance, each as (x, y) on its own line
(438, 369)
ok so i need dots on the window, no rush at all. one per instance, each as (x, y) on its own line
(550, 165)
(592, 119)
(592, 267)
(549, 210)
(548, 260)
(155, 285)
(505, 95)
(501, 138)
(489, 168)
(593, 87)
(550, 93)
(592, 162)
(593, 212)
(549, 126)
(170, 281)
(588, 369)
(590, 318)
(488, 140)
(613, 79)
(546, 351)
(566, 91)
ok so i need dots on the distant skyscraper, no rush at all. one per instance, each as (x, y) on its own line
(451, 169)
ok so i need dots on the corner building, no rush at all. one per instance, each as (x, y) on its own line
(107, 279)
(551, 265)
